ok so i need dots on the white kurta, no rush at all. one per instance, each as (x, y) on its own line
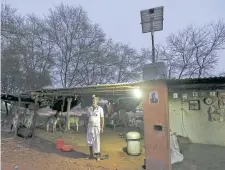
(93, 130)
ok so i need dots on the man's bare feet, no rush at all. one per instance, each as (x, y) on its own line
(98, 157)
(89, 157)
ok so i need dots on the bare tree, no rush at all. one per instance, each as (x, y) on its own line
(193, 52)
(99, 66)
(222, 74)
(210, 41)
(111, 63)
(37, 55)
(67, 48)
(126, 63)
(26, 55)
(75, 38)
(170, 62)
(11, 23)
(11, 29)
(161, 56)
(146, 54)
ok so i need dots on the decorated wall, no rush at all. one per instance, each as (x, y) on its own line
(198, 115)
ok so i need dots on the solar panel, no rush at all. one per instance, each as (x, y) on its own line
(152, 19)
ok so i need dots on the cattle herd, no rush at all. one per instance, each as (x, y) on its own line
(16, 117)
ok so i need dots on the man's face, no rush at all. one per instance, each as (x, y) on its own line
(153, 95)
(94, 101)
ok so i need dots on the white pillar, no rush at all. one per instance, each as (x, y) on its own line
(69, 100)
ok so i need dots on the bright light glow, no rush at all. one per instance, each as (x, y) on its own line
(137, 93)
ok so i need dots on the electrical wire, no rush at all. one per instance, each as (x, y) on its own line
(182, 119)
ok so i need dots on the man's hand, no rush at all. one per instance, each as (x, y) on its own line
(101, 130)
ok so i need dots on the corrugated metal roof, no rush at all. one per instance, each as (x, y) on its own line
(206, 80)
(125, 89)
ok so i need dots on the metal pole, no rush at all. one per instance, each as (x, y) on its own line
(153, 47)
(152, 35)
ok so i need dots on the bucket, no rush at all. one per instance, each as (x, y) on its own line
(59, 143)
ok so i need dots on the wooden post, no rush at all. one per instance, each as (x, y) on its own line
(6, 107)
(36, 107)
(11, 109)
(156, 126)
(24, 113)
(69, 100)
(19, 116)
(62, 106)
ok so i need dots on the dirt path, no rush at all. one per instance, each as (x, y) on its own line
(40, 153)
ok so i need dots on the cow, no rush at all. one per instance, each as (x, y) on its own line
(53, 121)
(28, 120)
(15, 123)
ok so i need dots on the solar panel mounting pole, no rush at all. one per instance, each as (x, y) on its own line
(152, 21)
(153, 44)
(153, 48)
(156, 116)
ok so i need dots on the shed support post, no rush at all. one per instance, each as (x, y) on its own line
(156, 126)
(62, 106)
(24, 114)
(62, 109)
(69, 100)
(12, 106)
(36, 107)
(19, 116)
(6, 107)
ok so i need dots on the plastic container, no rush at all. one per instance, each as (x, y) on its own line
(59, 143)
(67, 148)
(133, 143)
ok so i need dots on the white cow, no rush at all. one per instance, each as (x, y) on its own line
(15, 123)
(28, 119)
(52, 121)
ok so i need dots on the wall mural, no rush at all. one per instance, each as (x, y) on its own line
(221, 103)
(214, 100)
(194, 105)
(216, 109)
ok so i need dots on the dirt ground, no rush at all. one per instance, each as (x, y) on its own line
(40, 152)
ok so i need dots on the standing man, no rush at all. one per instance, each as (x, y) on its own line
(95, 127)
(110, 108)
(108, 111)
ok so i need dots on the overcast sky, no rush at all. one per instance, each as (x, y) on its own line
(120, 19)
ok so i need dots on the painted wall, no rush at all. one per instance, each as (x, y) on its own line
(195, 124)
